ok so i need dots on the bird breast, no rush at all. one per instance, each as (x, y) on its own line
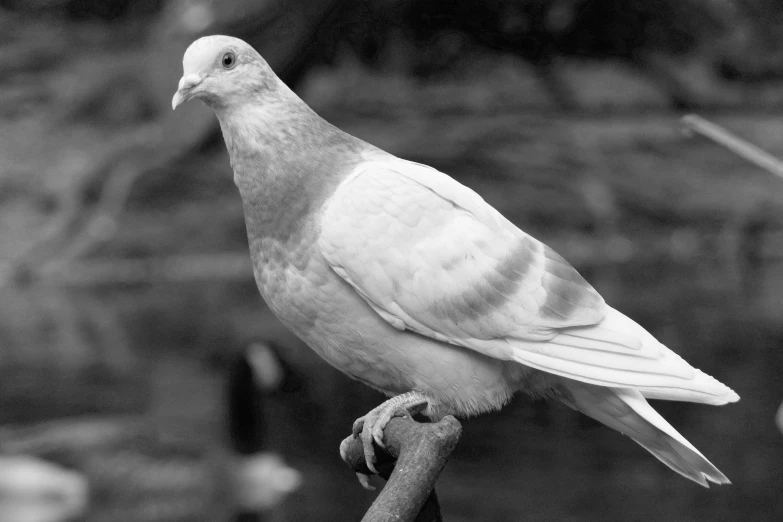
(323, 310)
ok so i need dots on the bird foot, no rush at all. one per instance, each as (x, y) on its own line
(369, 428)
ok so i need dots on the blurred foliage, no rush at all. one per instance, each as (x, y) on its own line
(538, 30)
(113, 10)
(535, 29)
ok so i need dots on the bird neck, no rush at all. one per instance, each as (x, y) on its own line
(286, 160)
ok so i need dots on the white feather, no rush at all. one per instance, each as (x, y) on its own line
(618, 352)
(422, 250)
(626, 411)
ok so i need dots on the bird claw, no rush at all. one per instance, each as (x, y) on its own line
(364, 480)
(366, 435)
(369, 428)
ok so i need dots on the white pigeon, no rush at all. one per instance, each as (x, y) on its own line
(409, 282)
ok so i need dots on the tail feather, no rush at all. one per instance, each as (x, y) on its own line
(704, 389)
(628, 412)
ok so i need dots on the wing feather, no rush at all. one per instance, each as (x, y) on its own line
(410, 235)
(429, 255)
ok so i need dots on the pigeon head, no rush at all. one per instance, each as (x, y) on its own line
(222, 71)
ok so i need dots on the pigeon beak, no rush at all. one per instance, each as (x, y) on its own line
(185, 89)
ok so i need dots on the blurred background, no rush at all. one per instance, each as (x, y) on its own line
(143, 379)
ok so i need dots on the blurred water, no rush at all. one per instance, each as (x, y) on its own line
(157, 356)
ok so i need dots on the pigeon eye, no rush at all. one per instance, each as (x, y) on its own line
(228, 61)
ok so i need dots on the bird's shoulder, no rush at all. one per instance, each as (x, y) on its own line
(408, 190)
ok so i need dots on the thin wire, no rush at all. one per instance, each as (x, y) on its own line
(740, 147)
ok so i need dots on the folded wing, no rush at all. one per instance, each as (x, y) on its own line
(429, 255)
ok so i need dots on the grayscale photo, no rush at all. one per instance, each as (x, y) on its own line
(391, 260)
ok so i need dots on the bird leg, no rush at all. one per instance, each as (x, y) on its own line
(370, 427)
